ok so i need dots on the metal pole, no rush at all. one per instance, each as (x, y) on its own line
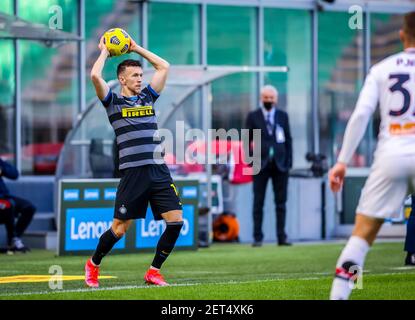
(207, 124)
(367, 63)
(203, 35)
(82, 57)
(144, 29)
(315, 125)
(323, 208)
(81, 84)
(207, 115)
(207, 121)
(18, 97)
(315, 112)
(260, 42)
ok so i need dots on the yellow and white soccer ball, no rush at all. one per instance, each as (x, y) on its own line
(117, 41)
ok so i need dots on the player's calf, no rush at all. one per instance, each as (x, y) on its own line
(349, 266)
(166, 243)
(106, 242)
(165, 246)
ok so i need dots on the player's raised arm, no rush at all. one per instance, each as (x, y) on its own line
(355, 130)
(162, 66)
(101, 87)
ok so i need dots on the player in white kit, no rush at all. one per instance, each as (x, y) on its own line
(391, 84)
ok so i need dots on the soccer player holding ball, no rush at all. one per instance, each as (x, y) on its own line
(145, 176)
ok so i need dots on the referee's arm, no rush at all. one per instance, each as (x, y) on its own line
(162, 66)
(101, 87)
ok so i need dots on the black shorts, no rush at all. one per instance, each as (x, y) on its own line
(141, 185)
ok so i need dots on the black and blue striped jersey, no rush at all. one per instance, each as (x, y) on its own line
(135, 125)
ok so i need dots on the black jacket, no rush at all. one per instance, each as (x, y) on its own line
(282, 151)
(8, 171)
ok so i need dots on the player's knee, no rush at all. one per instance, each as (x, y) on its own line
(173, 216)
(175, 219)
(120, 229)
(366, 228)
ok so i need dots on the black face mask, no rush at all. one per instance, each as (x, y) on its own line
(268, 105)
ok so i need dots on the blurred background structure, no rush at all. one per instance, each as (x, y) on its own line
(47, 48)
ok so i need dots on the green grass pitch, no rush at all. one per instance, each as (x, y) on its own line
(223, 271)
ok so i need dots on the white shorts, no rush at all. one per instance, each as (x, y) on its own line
(386, 187)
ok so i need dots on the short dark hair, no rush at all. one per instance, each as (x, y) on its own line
(409, 24)
(128, 63)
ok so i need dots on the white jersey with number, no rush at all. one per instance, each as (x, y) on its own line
(391, 85)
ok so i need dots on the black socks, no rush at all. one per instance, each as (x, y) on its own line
(107, 240)
(166, 243)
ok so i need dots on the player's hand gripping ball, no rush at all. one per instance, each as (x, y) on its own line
(117, 41)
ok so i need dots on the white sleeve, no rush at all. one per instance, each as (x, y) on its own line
(356, 127)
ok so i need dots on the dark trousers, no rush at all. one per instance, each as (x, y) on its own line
(279, 183)
(7, 218)
(410, 230)
(21, 209)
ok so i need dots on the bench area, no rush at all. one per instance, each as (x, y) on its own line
(39, 190)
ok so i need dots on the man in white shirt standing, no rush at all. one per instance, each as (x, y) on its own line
(391, 84)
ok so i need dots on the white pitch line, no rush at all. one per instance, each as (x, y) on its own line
(117, 288)
(404, 268)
